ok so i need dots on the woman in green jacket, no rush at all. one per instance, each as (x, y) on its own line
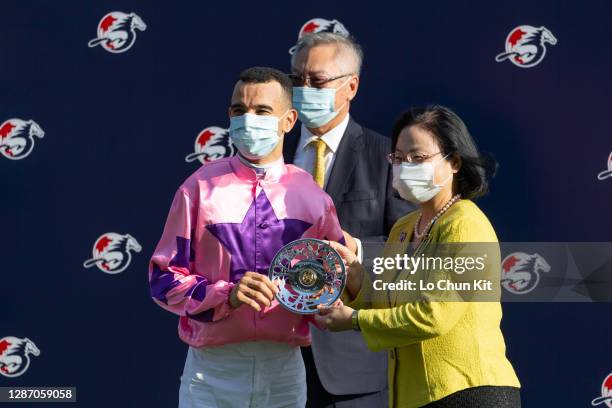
(443, 351)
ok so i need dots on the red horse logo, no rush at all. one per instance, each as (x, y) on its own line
(526, 46)
(211, 144)
(15, 355)
(117, 31)
(112, 252)
(320, 25)
(17, 138)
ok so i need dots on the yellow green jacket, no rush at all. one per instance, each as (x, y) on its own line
(435, 348)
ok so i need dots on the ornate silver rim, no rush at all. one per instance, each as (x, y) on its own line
(310, 273)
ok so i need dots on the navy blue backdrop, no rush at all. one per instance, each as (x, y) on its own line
(117, 128)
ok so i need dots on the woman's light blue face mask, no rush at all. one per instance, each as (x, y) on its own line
(316, 106)
(255, 136)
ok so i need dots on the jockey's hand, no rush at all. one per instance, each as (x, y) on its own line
(253, 289)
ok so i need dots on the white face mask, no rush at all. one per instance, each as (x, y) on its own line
(316, 106)
(415, 182)
(255, 136)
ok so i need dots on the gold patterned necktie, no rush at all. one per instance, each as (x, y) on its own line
(318, 171)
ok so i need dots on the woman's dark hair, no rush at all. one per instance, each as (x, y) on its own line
(453, 138)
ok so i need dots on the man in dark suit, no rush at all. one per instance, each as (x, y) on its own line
(348, 161)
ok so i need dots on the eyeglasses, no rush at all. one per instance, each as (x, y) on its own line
(410, 158)
(314, 82)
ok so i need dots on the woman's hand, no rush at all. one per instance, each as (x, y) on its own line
(354, 270)
(336, 317)
(350, 241)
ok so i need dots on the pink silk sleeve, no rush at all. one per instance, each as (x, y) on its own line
(173, 283)
(327, 226)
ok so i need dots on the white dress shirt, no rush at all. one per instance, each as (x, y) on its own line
(305, 156)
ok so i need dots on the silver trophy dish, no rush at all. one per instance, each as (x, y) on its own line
(310, 273)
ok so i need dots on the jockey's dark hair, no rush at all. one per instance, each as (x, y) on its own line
(454, 139)
(259, 75)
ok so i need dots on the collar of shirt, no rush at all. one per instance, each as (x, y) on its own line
(332, 138)
(269, 172)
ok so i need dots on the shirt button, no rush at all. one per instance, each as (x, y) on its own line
(263, 225)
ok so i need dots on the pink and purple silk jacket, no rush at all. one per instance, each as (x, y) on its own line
(227, 219)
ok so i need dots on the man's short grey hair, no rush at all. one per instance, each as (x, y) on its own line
(346, 46)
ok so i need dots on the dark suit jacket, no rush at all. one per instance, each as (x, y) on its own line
(360, 186)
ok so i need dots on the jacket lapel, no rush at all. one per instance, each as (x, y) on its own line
(346, 158)
(398, 275)
(344, 163)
